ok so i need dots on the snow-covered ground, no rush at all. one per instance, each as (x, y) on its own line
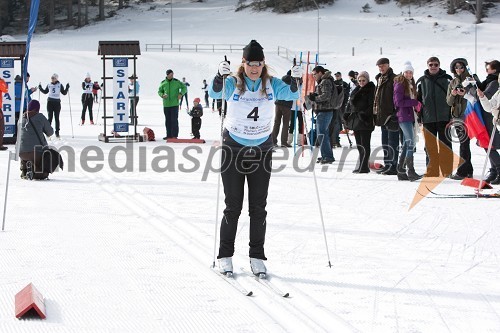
(131, 251)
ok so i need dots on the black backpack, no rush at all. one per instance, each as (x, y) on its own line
(337, 95)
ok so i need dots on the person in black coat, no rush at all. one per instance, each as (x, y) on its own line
(360, 119)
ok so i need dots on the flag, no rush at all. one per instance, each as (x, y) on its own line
(474, 122)
(35, 5)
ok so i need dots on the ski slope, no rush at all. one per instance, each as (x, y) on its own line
(131, 251)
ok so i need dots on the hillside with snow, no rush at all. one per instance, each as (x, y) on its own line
(129, 248)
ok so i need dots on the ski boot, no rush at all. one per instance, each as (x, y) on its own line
(258, 267)
(226, 266)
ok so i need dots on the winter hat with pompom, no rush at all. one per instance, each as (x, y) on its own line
(408, 67)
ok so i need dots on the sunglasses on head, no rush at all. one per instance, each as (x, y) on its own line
(255, 63)
(433, 64)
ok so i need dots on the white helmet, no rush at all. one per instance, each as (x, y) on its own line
(55, 76)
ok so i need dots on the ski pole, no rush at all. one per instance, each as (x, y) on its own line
(71, 115)
(223, 114)
(481, 182)
(321, 214)
(295, 113)
(99, 107)
(6, 192)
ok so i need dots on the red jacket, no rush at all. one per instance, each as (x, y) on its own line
(3, 89)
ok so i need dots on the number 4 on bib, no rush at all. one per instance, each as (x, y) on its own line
(254, 114)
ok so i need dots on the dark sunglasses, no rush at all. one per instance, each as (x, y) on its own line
(362, 80)
(459, 67)
(433, 64)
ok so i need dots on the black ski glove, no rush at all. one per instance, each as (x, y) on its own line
(67, 86)
(312, 96)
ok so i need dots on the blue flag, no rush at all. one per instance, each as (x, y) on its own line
(35, 4)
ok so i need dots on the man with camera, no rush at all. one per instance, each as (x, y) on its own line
(455, 99)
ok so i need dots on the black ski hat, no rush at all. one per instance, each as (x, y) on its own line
(455, 61)
(253, 51)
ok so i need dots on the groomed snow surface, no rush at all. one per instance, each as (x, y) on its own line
(131, 251)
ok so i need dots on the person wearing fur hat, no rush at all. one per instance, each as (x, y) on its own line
(455, 99)
(87, 99)
(406, 103)
(247, 147)
(196, 113)
(359, 118)
(33, 127)
(488, 93)
(54, 89)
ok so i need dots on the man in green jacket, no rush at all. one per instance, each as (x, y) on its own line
(432, 90)
(171, 90)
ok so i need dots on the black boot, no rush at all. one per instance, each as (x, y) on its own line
(412, 175)
(491, 176)
(401, 169)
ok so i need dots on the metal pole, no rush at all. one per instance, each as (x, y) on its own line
(475, 47)
(475, 32)
(171, 26)
(317, 47)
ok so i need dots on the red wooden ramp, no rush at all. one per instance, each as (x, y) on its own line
(29, 300)
(475, 183)
(173, 140)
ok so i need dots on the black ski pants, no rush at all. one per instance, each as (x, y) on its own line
(296, 114)
(54, 109)
(363, 138)
(185, 96)
(254, 166)
(87, 103)
(196, 126)
(171, 121)
(466, 168)
(133, 109)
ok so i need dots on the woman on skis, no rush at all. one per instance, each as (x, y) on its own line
(247, 147)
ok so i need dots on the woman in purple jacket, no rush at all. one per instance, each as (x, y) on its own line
(405, 102)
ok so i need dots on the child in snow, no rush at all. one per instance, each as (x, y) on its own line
(95, 88)
(54, 89)
(247, 147)
(196, 113)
